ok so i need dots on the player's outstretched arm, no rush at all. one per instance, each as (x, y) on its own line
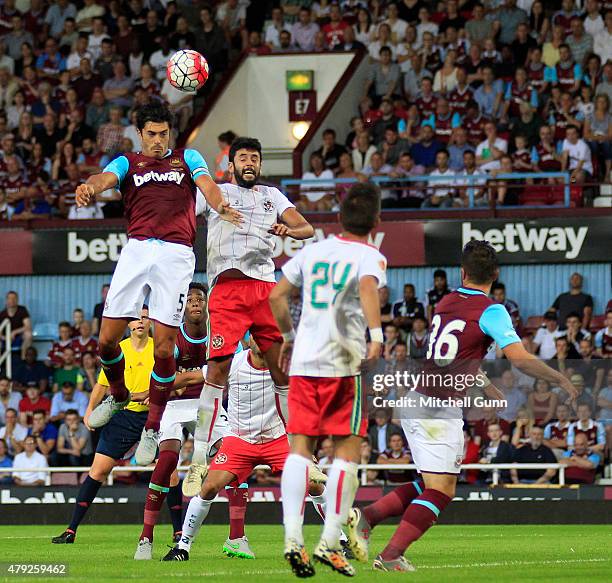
(95, 185)
(536, 368)
(215, 199)
(279, 304)
(184, 379)
(370, 304)
(294, 225)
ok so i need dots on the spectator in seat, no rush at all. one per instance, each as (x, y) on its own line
(562, 117)
(490, 94)
(66, 399)
(334, 30)
(210, 41)
(5, 462)
(534, 452)
(443, 121)
(544, 341)
(584, 398)
(43, 432)
(386, 119)
(496, 450)
(274, 29)
(566, 73)
(84, 342)
(367, 456)
(424, 151)
(305, 30)
(457, 148)
(377, 167)
(68, 372)
(521, 427)
(331, 150)
(13, 432)
(564, 355)
(555, 433)
(490, 151)
(579, 42)
(408, 308)
(74, 446)
(31, 372)
(317, 197)
(598, 133)
(21, 323)
(396, 453)
(603, 338)
(580, 462)
(362, 153)
(440, 194)
(468, 185)
(542, 402)
(231, 16)
(285, 43)
(591, 366)
(392, 339)
(55, 355)
(521, 157)
(381, 431)
(33, 400)
(473, 121)
(9, 399)
(382, 39)
(544, 155)
(519, 91)
(90, 370)
(350, 43)
(604, 401)
(29, 459)
(98, 309)
(326, 453)
(385, 305)
(393, 146)
(574, 301)
(593, 430)
(498, 293)
(383, 80)
(602, 43)
(437, 292)
(417, 339)
(414, 77)
(409, 197)
(514, 396)
(574, 332)
(256, 44)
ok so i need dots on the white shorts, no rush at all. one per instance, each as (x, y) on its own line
(159, 269)
(436, 445)
(183, 414)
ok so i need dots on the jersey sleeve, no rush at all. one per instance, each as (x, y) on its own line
(548, 431)
(374, 264)
(102, 380)
(196, 163)
(119, 167)
(282, 202)
(292, 270)
(496, 323)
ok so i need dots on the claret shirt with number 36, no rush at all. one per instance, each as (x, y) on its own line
(330, 339)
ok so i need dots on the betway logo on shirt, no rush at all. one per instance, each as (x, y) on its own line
(172, 176)
(521, 238)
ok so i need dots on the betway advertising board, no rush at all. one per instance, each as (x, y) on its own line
(75, 250)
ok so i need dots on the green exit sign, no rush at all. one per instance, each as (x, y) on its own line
(300, 80)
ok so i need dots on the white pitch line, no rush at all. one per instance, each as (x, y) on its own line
(514, 563)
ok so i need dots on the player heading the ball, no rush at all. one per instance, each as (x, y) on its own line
(158, 186)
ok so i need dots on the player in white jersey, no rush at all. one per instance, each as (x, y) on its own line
(256, 436)
(241, 274)
(339, 278)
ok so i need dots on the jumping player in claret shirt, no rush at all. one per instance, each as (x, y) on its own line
(158, 186)
(465, 323)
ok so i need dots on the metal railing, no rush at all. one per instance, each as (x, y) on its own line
(6, 343)
(496, 470)
(458, 181)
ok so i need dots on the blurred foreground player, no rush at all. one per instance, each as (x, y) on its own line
(257, 436)
(123, 431)
(339, 278)
(158, 186)
(241, 274)
(464, 325)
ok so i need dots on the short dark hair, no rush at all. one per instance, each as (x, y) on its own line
(439, 273)
(498, 285)
(328, 132)
(360, 209)
(244, 143)
(479, 261)
(228, 137)
(71, 412)
(64, 324)
(156, 112)
(201, 286)
(68, 384)
(4, 378)
(384, 49)
(39, 412)
(573, 315)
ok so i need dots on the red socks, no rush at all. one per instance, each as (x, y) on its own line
(113, 364)
(158, 489)
(162, 381)
(394, 503)
(420, 515)
(238, 499)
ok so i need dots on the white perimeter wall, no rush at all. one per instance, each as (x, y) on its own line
(256, 103)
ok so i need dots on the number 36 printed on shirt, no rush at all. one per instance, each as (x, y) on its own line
(443, 344)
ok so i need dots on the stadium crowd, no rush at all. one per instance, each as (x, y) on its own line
(455, 88)
(42, 406)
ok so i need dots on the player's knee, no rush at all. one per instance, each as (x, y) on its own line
(209, 491)
(107, 347)
(164, 350)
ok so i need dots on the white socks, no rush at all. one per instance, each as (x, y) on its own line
(196, 514)
(294, 485)
(282, 405)
(319, 504)
(340, 492)
(208, 411)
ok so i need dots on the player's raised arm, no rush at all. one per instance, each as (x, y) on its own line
(370, 303)
(95, 185)
(213, 196)
(294, 225)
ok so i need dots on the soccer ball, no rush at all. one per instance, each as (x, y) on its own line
(187, 70)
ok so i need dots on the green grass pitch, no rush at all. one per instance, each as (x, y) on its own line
(446, 553)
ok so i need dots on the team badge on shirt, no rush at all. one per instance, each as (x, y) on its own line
(175, 162)
(268, 205)
(141, 164)
(221, 458)
(217, 341)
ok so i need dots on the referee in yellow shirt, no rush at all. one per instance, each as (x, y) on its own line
(123, 431)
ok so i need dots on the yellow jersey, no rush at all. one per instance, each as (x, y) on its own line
(138, 368)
